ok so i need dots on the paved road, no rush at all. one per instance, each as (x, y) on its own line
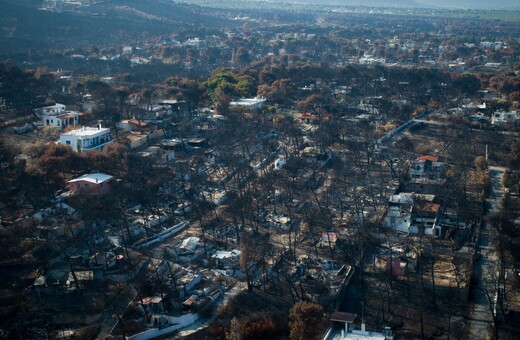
(480, 320)
(431, 122)
(401, 129)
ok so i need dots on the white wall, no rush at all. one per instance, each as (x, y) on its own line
(163, 235)
(179, 322)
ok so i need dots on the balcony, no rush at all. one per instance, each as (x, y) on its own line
(97, 145)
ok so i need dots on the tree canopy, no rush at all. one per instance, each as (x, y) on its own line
(304, 317)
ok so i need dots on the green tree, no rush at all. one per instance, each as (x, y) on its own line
(222, 81)
(245, 86)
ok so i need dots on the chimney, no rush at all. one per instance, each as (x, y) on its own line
(99, 126)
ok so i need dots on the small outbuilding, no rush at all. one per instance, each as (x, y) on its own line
(96, 183)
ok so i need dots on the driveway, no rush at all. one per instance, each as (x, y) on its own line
(480, 319)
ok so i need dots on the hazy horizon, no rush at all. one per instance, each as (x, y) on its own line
(448, 4)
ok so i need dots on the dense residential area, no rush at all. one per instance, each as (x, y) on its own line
(235, 171)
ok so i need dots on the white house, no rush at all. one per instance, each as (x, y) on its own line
(279, 163)
(492, 65)
(399, 216)
(158, 114)
(226, 259)
(426, 218)
(343, 328)
(368, 108)
(502, 118)
(62, 120)
(496, 45)
(52, 110)
(95, 183)
(57, 116)
(413, 213)
(87, 138)
(369, 60)
(250, 103)
(426, 166)
(195, 42)
(139, 61)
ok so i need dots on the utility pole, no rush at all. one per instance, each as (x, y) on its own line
(363, 317)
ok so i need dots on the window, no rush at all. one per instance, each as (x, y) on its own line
(67, 142)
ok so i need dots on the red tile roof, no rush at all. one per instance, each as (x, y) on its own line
(320, 116)
(428, 158)
(428, 207)
(154, 299)
(136, 122)
(190, 300)
(308, 117)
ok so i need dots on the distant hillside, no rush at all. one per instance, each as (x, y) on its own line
(23, 26)
(453, 4)
(473, 4)
(368, 3)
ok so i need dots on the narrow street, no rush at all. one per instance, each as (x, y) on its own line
(401, 129)
(480, 320)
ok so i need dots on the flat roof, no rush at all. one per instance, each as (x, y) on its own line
(222, 254)
(403, 197)
(134, 136)
(171, 142)
(197, 140)
(190, 243)
(409, 197)
(87, 131)
(168, 102)
(81, 275)
(92, 178)
(248, 101)
(307, 116)
(57, 105)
